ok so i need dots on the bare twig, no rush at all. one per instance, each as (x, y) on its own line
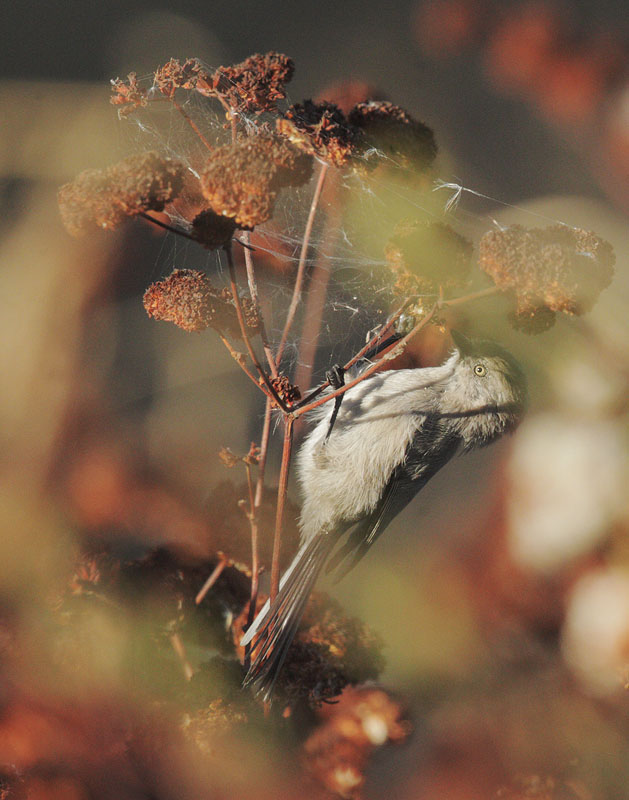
(301, 267)
(245, 335)
(399, 347)
(281, 502)
(253, 291)
(179, 648)
(214, 576)
(380, 334)
(239, 358)
(166, 226)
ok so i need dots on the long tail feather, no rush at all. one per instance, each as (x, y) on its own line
(277, 624)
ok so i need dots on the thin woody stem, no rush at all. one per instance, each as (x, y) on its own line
(239, 358)
(264, 449)
(301, 268)
(192, 123)
(253, 291)
(245, 335)
(255, 557)
(257, 502)
(166, 226)
(459, 301)
(214, 576)
(399, 347)
(381, 333)
(178, 647)
(281, 502)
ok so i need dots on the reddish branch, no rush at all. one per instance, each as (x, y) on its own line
(301, 268)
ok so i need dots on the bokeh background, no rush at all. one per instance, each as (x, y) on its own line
(502, 594)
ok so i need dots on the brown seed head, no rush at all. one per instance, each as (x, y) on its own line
(188, 299)
(105, 198)
(242, 179)
(427, 255)
(129, 95)
(213, 230)
(286, 390)
(175, 75)
(391, 130)
(320, 129)
(549, 269)
(255, 85)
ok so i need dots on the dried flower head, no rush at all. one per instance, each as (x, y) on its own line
(427, 255)
(129, 95)
(391, 130)
(242, 179)
(228, 458)
(208, 727)
(213, 230)
(188, 299)
(175, 75)
(146, 182)
(549, 269)
(255, 85)
(337, 752)
(320, 129)
(286, 390)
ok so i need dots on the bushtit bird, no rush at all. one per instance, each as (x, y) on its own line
(393, 432)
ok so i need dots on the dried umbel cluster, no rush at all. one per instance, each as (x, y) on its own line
(425, 256)
(105, 198)
(372, 130)
(549, 270)
(252, 87)
(320, 129)
(338, 751)
(188, 299)
(242, 180)
(391, 130)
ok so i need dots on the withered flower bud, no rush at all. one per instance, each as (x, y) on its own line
(242, 179)
(213, 230)
(392, 131)
(228, 458)
(175, 75)
(255, 85)
(427, 255)
(129, 95)
(105, 198)
(320, 129)
(289, 393)
(555, 269)
(188, 299)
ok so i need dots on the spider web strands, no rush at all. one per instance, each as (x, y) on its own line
(458, 189)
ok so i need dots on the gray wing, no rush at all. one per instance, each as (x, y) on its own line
(431, 448)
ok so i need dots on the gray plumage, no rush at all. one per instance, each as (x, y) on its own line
(393, 432)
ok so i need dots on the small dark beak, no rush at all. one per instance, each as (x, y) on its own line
(463, 344)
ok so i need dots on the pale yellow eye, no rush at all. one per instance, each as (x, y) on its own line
(480, 370)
